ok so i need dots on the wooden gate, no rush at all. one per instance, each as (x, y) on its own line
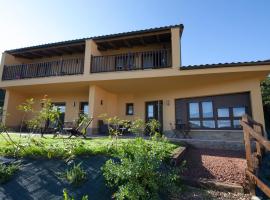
(254, 132)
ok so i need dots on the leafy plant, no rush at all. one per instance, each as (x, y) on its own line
(75, 175)
(153, 127)
(141, 171)
(265, 87)
(7, 171)
(66, 196)
(137, 127)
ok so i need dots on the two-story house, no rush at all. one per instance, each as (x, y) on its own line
(133, 75)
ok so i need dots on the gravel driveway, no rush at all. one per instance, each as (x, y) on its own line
(220, 165)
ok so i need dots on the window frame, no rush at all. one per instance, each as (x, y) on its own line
(127, 108)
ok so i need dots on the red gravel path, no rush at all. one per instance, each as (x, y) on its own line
(221, 165)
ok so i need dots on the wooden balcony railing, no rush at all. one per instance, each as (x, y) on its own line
(132, 61)
(44, 69)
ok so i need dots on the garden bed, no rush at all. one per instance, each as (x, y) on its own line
(45, 160)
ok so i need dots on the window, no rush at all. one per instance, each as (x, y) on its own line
(84, 108)
(224, 123)
(129, 109)
(195, 123)
(201, 115)
(223, 112)
(208, 124)
(194, 110)
(207, 109)
(213, 112)
(150, 111)
(239, 111)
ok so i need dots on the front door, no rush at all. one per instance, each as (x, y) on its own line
(154, 110)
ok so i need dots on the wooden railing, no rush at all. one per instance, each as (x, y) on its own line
(253, 131)
(44, 69)
(131, 61)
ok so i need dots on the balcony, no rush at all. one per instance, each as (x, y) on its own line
(44, 69)
(132, 61)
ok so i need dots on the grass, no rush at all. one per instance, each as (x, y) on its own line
(7, 171)
(63, 148)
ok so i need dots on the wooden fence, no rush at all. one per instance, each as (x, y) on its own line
(254, 132)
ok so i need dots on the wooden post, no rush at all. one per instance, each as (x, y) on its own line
(250, 166)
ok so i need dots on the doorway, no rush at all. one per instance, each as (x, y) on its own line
(154, 110)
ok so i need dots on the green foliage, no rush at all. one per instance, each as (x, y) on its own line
(139, 173)
(137, 127)
(47, 112)
(265, 87)
(66, 196)
(75, 175)
(7, 171)
(153, 126)
(27, 106)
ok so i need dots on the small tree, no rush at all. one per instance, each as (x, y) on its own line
(26, 107)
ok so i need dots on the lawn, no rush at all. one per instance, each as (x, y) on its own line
(62, 147)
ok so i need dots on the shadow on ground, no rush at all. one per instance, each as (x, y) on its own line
(39, 179)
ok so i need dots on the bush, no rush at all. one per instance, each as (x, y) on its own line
(67, 197)
(141, 172)
(75, 175)
(7, 171)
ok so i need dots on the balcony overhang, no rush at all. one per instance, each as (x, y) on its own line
(49, 50)
(130, 41)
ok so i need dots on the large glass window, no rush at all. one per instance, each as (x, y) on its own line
(194, 110)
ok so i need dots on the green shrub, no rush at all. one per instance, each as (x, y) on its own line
(7, 171)
(67, 197)
(141, 172)
(76, 175)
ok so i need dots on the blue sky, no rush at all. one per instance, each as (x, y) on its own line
(215, 30)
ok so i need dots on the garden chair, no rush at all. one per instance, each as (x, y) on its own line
(80, 130)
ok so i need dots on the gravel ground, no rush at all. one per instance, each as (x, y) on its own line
(220, 165)
(191, 193)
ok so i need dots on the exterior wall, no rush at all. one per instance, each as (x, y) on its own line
(101, 102)
(114, 103)
(11, 116)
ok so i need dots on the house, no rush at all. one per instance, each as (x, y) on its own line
(131, 75)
